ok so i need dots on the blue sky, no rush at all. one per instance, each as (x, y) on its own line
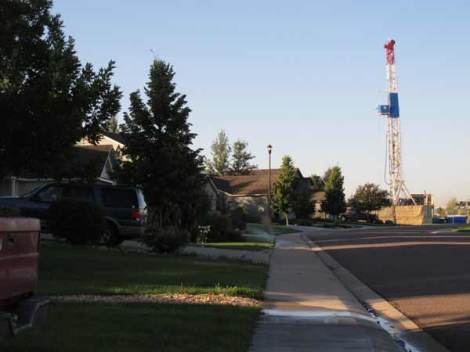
(305, 76)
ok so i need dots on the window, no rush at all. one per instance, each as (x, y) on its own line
(78, 193)
(52, 193)
(119, 198)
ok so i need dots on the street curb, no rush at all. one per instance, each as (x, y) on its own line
(406, 332)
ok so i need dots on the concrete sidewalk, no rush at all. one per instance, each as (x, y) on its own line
(308, 309)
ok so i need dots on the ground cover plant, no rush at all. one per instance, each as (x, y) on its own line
(115, 325)
(78, 327)
(81, 270)
(248, 246)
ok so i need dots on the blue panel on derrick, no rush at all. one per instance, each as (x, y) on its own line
(394, 107)
(384, 109)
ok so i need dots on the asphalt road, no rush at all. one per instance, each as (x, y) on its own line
(423, 271)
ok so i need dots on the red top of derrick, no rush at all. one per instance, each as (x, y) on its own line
(390, 52)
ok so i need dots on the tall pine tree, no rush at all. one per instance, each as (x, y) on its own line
(241, 158)
(159, 152)
(335, 202)
(284, 188)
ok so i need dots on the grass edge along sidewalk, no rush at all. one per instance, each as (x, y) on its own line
(131, 326)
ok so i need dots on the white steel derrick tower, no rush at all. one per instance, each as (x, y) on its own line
(391, 111)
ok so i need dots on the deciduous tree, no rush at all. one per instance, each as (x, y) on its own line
(219, 163)
(452, 206)
(113, 125)
(369, 197)
(48, 99)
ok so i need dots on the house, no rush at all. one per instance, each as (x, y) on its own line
(116, 140)
(87, 161)
(213, 195)
(251, 191)
(319, 197)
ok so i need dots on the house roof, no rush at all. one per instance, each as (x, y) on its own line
(254, 184)
(246, 185)
(118, 137)
(92, 157)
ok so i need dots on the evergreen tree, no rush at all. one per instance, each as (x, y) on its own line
(335, 203)
(219, 164)
(240, 164)
(159, 152)
(284, 188)
(48, 99)
(369, 197)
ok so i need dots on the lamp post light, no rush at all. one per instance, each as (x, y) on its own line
(270, 148)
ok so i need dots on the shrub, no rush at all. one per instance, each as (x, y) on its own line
(253, 219)
(389, 222)
(221, 230)
(165, 239)
(9, 212)
(79, 222)
(238, 218)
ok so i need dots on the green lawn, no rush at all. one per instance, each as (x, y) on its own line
(66, 270)
(464, 229)
(252, 246)
(123, 327)
(254, 229)
(81, 327)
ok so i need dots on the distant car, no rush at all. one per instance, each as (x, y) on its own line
(124, 207)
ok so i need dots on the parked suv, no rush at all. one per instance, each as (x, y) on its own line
(124, 207)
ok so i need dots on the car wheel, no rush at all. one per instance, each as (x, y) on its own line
(110, 236)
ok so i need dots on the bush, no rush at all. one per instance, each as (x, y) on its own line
(165, 239)
(238, 218)
(221, 230)
(9, 212)
(389, 222)
(79, 222)
(253, 219)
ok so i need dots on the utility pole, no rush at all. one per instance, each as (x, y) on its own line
(270, 148)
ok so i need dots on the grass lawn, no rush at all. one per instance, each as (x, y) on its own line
(251, 246)
(80, 327)
(77, 327)
(74, 270)
(257, 229)
(464, 229)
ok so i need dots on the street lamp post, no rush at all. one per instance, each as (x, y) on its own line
(270, 148)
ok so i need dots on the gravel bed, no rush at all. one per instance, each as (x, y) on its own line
(161, 298)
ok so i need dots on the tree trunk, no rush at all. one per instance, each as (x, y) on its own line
(287, 219)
